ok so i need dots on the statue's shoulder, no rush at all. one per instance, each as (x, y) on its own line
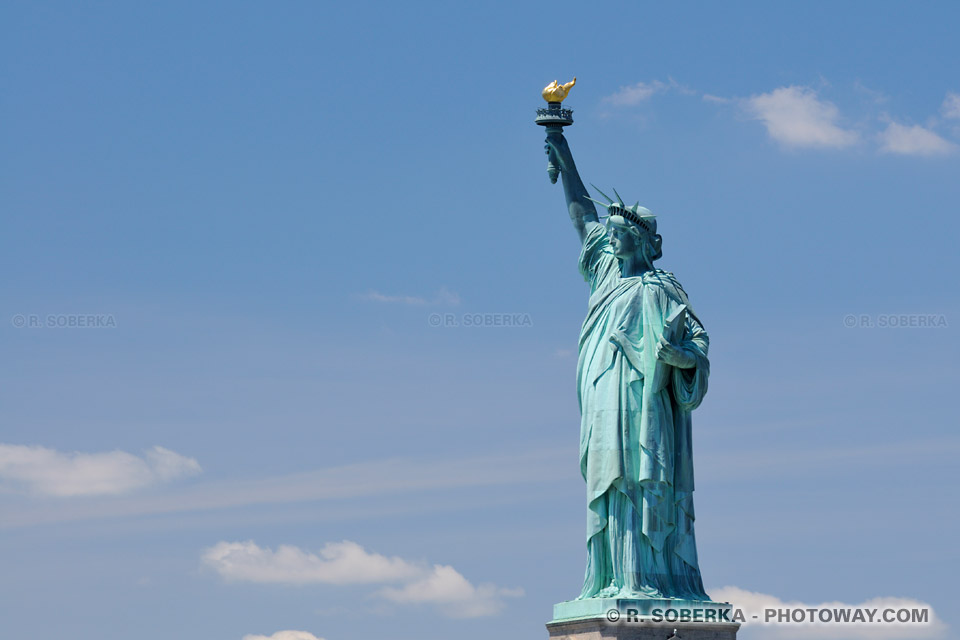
(667, 282)
(661, 278)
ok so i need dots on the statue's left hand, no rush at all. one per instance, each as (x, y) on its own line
(557, 149)
(675, 356)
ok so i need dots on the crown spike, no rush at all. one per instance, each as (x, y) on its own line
(619, 199)
(602, 204)
(601, 193)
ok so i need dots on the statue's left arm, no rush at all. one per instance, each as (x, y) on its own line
(690, 382)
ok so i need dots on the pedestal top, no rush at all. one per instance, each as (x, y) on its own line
(651, 609)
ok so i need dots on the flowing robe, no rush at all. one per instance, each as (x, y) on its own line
(635, 447)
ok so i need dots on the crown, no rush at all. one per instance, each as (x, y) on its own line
(637, 215)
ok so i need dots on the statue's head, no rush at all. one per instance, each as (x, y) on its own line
(632, 229)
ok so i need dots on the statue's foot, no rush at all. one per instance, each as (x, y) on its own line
(627, 593)
(640, 593)
(611, 591)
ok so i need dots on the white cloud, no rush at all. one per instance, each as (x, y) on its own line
(445, 587)
(338, 563)
(796, 117)
(284, 635)
(443, 297)
(45, 471)
(637, 93)
(913, 140)
(752, 603)
(951, 105)
(349, 563)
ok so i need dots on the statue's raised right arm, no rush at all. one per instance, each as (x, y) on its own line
(581, 210)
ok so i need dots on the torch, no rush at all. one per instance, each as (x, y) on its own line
(554, 117)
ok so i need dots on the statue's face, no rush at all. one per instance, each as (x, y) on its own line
(623, 242)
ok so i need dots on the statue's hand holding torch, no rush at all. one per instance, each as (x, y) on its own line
(557, 151)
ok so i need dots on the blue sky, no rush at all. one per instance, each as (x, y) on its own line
(261, 208)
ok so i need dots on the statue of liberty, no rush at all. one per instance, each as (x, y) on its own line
(642, 370)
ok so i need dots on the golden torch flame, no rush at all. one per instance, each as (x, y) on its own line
(555, 92)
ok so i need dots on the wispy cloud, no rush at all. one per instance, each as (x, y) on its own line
(635, 94)
(376, 296)
(717, 99)
(796, 117)
(377, 478)
(632, 95)
(284, 635)
(913, 140)
(951, 105)
(336, 563)
(753, 603)
(43, 471)
(876, 97)
(443, 297)
(349, 563)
